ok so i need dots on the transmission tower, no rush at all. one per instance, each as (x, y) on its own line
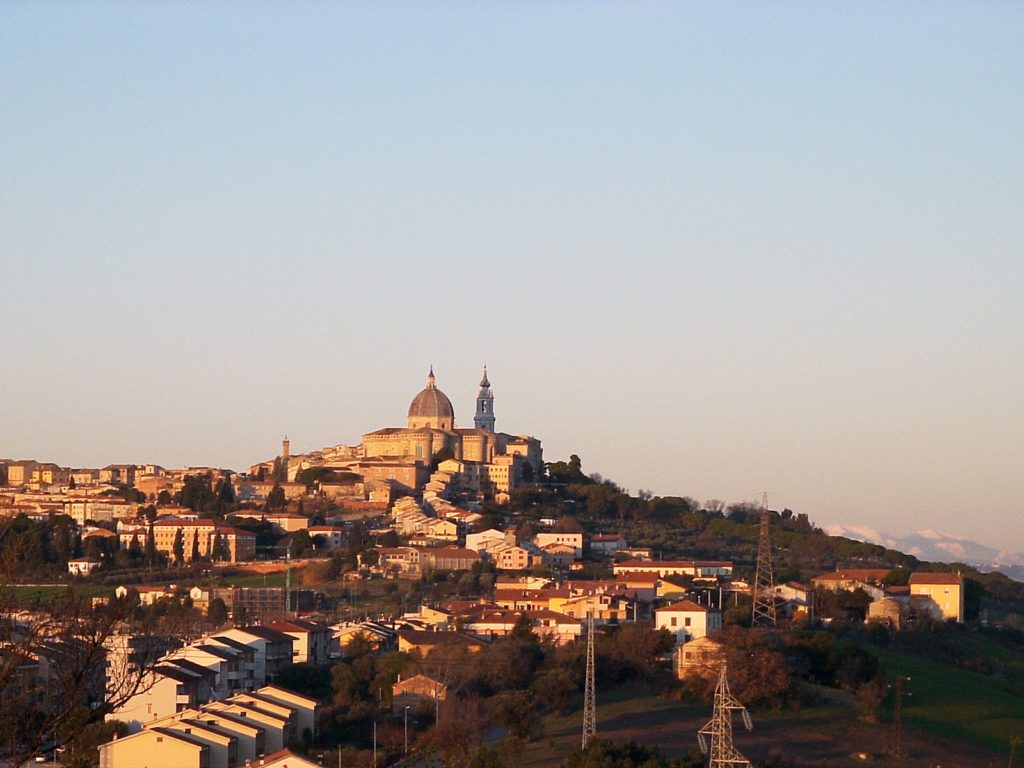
(589, 699)
(719, 728)
(764, 586)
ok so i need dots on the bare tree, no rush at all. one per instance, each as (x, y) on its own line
(53, 674)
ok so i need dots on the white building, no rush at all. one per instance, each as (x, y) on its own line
(687, 620)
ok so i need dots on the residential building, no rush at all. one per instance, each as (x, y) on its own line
(607, 543)
(155, 747)
(687, 620)
(693, 568)
(701, 657)
(415, 690)
(311, 642)
(945, 590)
(574, 540)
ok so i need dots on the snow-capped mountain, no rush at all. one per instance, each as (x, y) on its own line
(937, 546)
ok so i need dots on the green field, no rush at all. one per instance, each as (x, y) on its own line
(978, 709)
(828, 734)
(25, 596)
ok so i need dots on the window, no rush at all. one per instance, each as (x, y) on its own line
(675, 621)
(686, 621)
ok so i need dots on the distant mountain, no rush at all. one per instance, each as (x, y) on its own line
(937, 546)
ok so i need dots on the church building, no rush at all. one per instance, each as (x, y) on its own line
(431, 431)
(476, 458)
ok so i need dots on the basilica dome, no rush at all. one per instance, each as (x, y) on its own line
(431, 408)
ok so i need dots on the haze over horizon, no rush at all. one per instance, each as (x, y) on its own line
(713, 251)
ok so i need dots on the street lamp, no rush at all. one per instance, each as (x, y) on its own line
(407, 729)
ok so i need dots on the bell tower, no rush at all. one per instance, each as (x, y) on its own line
(484, 418)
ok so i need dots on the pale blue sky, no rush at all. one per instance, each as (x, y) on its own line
(712, 248)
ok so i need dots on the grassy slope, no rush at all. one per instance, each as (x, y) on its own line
(967, 706)
(827, 735)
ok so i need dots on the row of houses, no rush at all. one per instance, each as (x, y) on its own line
(936, 595)
(251, 729)
(227, 663)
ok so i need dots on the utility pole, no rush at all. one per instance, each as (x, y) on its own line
(764, 586)
(719, 728)
(589, 699)
(897, 713)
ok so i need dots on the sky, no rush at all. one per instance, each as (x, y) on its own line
(714, 249)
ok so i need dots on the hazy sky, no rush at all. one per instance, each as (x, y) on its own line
(714, 249)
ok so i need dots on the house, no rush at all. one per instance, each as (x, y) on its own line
(327, 536)
(311, 642)
(82, 567)
(223, 744)
(664, 568)
(278, 729)
(605, 608)
(399, 561)
(498, 622)
(509, 557)
(164, 690)
(607, 543)
(636, 553)
(944, 590)
(272, 650)
(228, 663)
(891, 610)
(687, 620)
(416, 689)
(250, 737)
(478, 542)
(448, 559)
(796, 598)
(793, 592)
(410, 640)
(559, 554)
(702, 657)
(284, 758)
(574, 540)
(155, 747)
(148, 595)
(380, 635)
(851, 579)
(305, 707)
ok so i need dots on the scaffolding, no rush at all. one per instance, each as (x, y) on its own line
(722, 753)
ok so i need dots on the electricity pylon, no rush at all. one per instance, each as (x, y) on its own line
(719, 728)
(764, 585)
(589, 699)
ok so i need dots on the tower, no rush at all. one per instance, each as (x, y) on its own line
(589, 698)
(719, 728)
(764, 585)
(286, 448)
(484, 418)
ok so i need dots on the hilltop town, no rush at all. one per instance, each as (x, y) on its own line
(440, 594)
